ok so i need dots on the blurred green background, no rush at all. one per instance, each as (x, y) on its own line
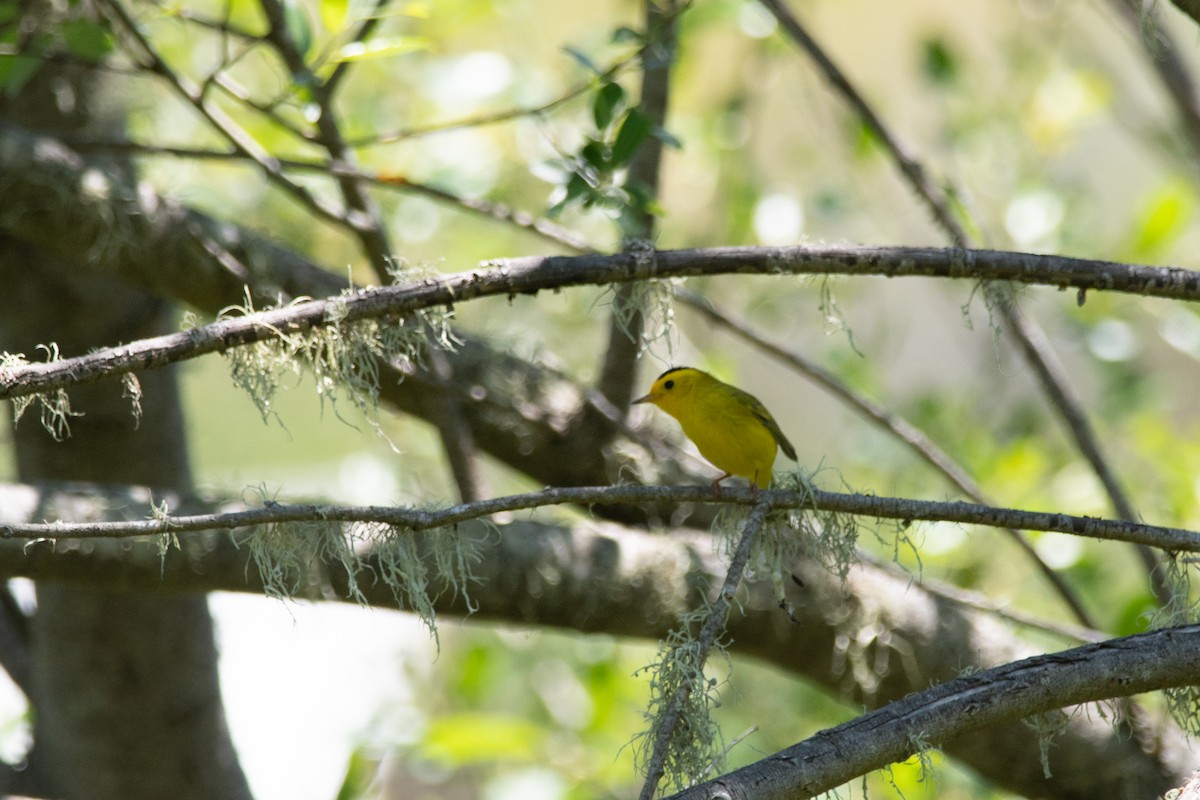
(1045, 116)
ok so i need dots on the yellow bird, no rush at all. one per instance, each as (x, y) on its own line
(731, 428)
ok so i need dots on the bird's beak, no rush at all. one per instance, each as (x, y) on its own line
(642, 399)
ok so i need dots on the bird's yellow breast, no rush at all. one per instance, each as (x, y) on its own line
(727, 433)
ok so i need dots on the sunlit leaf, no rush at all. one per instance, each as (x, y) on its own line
(298, 26)
(1163, 218)
(477, 737)
(387, 47)
(333, 14)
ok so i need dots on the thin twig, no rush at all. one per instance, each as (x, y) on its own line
(241, 141)
(540, 226)
(893, 508)
(1144, 24)
(372, 236)
(1028, 335)
(967, 599)
(710, 632)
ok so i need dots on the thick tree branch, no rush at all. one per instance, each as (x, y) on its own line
(530, 275)
(609, 579)
(1123, 667)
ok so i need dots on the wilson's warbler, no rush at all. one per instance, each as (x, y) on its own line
(731, 428)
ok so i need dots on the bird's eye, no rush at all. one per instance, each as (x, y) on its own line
(669, 385)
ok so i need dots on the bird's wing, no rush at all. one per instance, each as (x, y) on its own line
(762, 415)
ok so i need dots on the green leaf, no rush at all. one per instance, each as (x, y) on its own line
(667, 138)
(387, 47)
(85, 39)
(15, 71)
(595, 155)
(625, 35)
(938, 63)
(582, 60)
(333, 14)
(298, 26)
(610, 97)
(634, 130)
(577, 187)
(1163, 218)
(473, 738)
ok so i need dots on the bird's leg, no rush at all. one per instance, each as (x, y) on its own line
(716, 485)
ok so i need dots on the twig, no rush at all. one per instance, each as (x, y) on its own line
(1116, 668)
(627, 320)
(241, 141)
(964, 598)
(912, 169)
(1143, 21)
(710, 632)
(369, 228)
(894, 508)
(482, 120)
(1029, 337)
(540, 226)
(530, 275)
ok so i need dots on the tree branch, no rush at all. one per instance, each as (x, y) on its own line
(608, 579)
(412, 519)
(1116, 668)
(1028, 335)
(530, 275)
(667, 724)
(627, 320)
(369, 229)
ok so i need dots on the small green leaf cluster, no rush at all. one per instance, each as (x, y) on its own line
(77, 39)
(596, 175)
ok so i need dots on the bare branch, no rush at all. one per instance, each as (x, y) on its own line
(1028, 335)
(369, 226)
(223, 124)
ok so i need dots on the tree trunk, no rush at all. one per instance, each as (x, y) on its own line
(123, 684)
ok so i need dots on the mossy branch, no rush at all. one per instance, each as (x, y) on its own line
(896, 508)
(530, 275)
(1115, 668)
(678, 747)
